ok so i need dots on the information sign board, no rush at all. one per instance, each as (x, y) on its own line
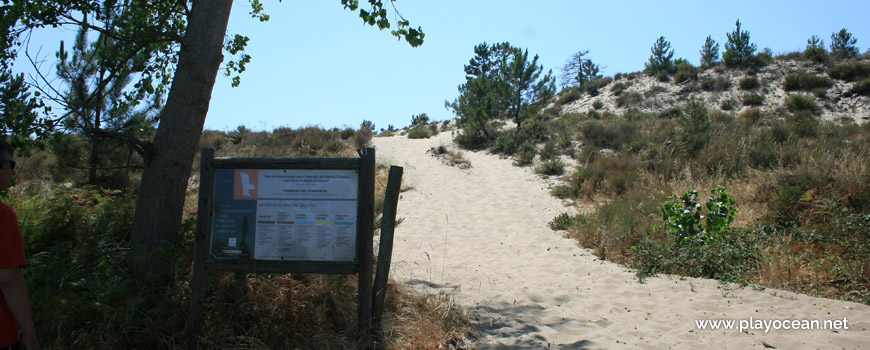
(285, 215)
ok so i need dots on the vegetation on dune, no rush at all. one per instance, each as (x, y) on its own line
(789, 203)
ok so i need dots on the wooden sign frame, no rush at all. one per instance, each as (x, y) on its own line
(362, 264)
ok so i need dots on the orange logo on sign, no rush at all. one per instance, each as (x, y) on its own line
(245, 184)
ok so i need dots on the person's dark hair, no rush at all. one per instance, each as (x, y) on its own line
(6, 150)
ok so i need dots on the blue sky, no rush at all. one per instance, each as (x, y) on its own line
(315, 63)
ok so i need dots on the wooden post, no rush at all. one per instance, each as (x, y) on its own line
(240, 281)
(366, 225)
(203, 224)
(385, 253)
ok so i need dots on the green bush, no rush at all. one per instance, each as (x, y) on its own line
(820, 92)
(862, 88)
(418, 133)
(749, 83)
(850, 71)
(816, 54)
(798, 102)
(805, 81)
(719, 84)
(608, 134)
(685, 72)
(618, 88)
(735, 259)
(569, 95)
(553, 166)
(753, 100)
(526, 154)
(593, 86)
(565, 221)
(629, 99)
(685, 221)
(565, 192)
(653, 90)
(803, 124)
(597, 104)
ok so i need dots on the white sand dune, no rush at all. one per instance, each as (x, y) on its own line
(481, 236)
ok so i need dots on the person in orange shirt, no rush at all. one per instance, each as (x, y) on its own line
(14, 304)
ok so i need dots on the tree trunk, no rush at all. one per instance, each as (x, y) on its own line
(157, 221)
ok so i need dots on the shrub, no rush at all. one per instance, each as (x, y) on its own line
(670, 113)
(597, 104)
(752, 115)
(551, 167)
(526, 154)
(653, 90)
(593, 86)
(797, 103)
(565, 192)
(850, 71)
(618, 88)
(418, 133)
(630, 99)
(362, 137)
(684, 74)
(565, 221)
(803, 124)
(749, 83)
(820, 92)
(818, 54)
(719, 84)
(805, 81)
(862, 88)
(569, 95)
(608, 134)
(683, 216)
(753, 100)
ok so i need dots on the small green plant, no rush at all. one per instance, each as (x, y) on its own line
(418, 133)
(553, 166)
(862, 88)
(597, 104)
(749, 83)
(618, 88)
(805, 81)
(653, 90)
(569, 95)
(629, 99)
(850, 71)
(685, 220)
(798, 102)
(753, 100)
(565, 221)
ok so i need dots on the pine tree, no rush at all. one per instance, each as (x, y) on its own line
(738, 49)
(527, 87)
(843, 44)
(660, 61)
(18, 112)
(579, 70)
(709, 53)
(815, 50)
(106, 128)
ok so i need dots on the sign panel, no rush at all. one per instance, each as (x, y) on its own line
(285, 215)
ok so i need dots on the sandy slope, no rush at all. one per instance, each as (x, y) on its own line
(525, 287)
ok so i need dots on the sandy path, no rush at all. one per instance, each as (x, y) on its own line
(525, 287)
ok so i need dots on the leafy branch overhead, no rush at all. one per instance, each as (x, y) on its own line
(377, 16)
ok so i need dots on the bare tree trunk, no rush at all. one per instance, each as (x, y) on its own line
(157, 221)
